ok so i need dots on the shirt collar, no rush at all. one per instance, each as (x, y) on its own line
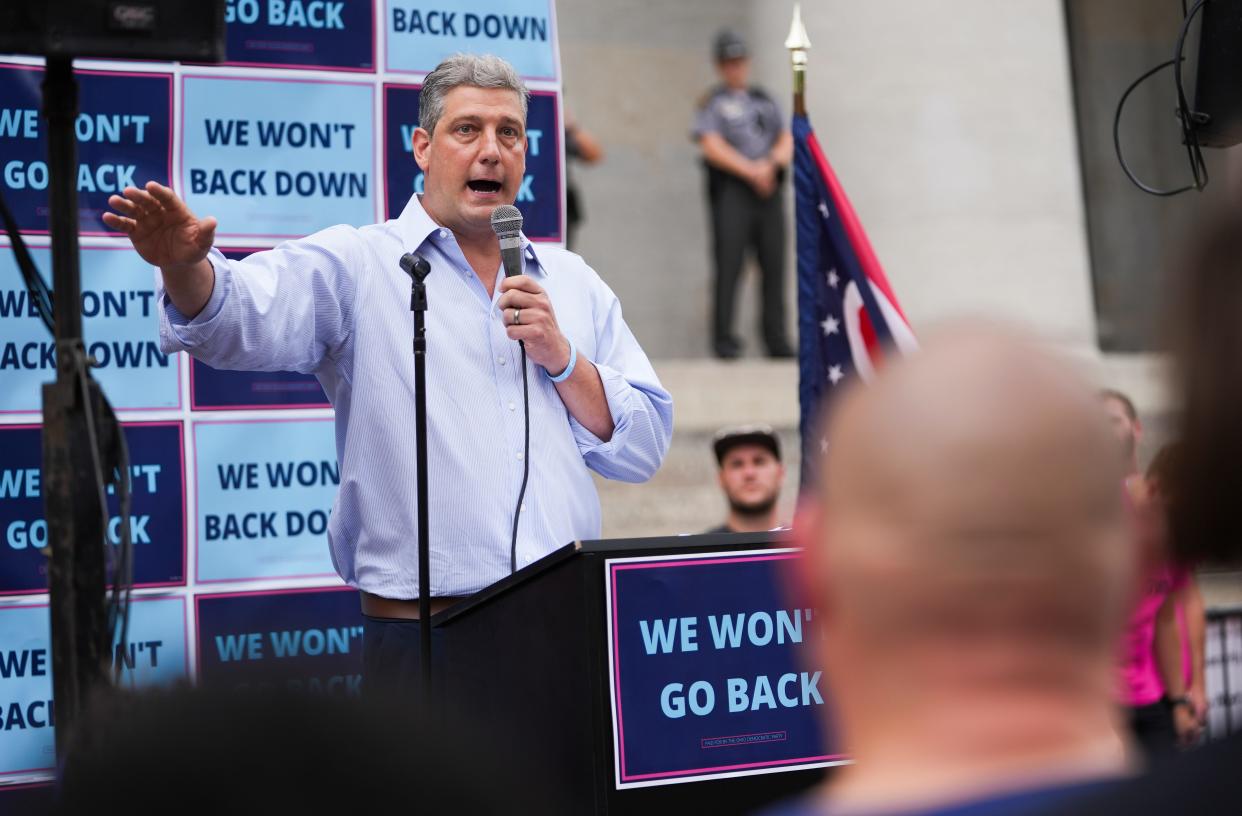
(417, 228)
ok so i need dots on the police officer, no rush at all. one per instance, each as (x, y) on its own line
(746, 148)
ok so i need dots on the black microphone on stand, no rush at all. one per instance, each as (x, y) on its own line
(507, 224)
(418, 269)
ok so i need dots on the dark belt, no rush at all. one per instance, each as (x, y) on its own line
(374, 606)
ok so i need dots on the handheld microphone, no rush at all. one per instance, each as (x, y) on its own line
(507, 224)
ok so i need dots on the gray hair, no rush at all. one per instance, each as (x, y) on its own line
(473, 70)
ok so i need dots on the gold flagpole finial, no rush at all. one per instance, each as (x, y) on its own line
(798, 42)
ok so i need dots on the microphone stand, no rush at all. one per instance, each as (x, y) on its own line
(418, 269)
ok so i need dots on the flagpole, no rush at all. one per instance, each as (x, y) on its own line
(797, 42)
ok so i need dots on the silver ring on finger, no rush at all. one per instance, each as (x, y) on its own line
(517, 317)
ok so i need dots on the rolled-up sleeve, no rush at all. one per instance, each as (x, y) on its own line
(641, 408)
(285, 309)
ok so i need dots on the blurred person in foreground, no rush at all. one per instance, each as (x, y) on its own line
(184, 750)
(1127, 427)
(970, 557)
(1205, 524)
(1165, 698)
(750, 475)
(1162, 684)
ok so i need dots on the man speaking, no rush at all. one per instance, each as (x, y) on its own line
(336, 304)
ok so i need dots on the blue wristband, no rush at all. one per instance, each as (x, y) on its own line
(569, 369)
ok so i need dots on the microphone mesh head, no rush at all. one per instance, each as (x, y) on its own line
(506, 221)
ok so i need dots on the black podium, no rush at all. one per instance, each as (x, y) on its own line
(528, 657)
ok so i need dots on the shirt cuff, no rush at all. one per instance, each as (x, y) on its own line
(620, 396)
(179, 333)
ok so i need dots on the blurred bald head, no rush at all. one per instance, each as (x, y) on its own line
(972, 563)
(972, 495)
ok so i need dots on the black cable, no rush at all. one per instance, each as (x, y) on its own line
(124, 576)
(517, 511)
(1188, 119)
(37, 289)
(1125, 168)
(122, 562)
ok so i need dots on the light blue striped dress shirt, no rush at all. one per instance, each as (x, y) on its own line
(336, 305)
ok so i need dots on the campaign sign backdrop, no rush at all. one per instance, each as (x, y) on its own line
(156, 655)
(335, 34)
(707, 674)
(421, 33)
(304, 639)
(215, 389)
(157, 514)
(265, 490)
(278, 158)
(539, 197)
(235, 473)
(118, 324)
(124, 133)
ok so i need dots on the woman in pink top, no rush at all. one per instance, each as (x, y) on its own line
(1154, 685)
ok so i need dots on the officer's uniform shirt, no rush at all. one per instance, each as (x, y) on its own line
(748, 120)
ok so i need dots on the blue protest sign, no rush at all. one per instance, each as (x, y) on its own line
(155, 654)
(539, 197)
(215, 389)
(265, 490)
(278, 158)
(304, 639)
(421, 33)
(118, 324)
(707, 671)
(333, 34)
(124, 133)
(157, 514)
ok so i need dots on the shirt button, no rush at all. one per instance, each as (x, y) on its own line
(523, 507)
(443, 233)
(512, 407)
(526, 558)
(500, 360)
(520, 456)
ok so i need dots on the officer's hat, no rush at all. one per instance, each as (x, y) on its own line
(730, 45)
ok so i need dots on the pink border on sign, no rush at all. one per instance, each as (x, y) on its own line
(185, 552)
(556, 49)
(374, 164)
(185, 626)
(388, 215)
(24, 785)
(560, 136)
(384, 124)
(198, 551)
(77, 71)
(198, 605)
(291, 66)
(155, 305)
(616, 662)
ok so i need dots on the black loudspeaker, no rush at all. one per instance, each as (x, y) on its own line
(1218, 92)
(188, 30)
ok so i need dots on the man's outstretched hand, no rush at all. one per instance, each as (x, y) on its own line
(166, 234)
(161, 227)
